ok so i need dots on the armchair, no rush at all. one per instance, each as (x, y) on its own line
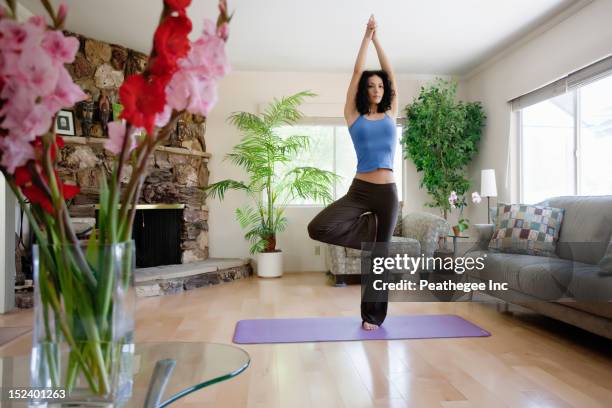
(418, 234)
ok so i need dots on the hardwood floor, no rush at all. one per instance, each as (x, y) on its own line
(529, 361)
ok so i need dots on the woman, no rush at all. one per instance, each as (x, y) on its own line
(368, 212)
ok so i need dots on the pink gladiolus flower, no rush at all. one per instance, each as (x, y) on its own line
(116, 135)
(66, 93)
(37, 71)
(62, 12)
(17, 36)
(192, 92)
(194, 86)
(35, 84)
(223, 31)
(15, 153)
(61, 49)
(163, 117)
(476, 197)
(17, 98)
(37, 122)
(38, 22)
(452, 197)
(222, 6)
(207, 58)
(210, 27)
(26, 125)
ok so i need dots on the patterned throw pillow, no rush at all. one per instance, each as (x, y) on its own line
(527, 229)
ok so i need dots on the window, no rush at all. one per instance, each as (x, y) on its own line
(331, 148)
(548, 149)
(566, 143)
(595, 149)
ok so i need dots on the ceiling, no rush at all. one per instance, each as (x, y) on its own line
(419, 36)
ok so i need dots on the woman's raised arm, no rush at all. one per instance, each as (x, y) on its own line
(350, 107)
(385, 65)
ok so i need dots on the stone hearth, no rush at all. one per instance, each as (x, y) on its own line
(170, 279)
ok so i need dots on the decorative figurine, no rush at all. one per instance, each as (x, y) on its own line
(104, 108)
(87, 111)
(181, 131)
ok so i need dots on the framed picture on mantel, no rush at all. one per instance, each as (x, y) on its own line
(64, 123)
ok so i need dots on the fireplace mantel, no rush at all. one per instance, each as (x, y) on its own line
(153, 206)
(80, 140)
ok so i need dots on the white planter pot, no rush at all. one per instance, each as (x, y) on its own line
(270, 264)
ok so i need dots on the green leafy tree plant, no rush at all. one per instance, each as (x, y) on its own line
(441, 137)
(261, 153)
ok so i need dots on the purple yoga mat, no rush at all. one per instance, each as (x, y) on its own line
(349, 328)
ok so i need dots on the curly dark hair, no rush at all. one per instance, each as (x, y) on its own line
(361, 100)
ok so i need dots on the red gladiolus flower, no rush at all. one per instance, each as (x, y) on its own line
(178, 5)
(142, 100)
(36, 195)
(38, 147)
(171, 43)
(162, 68)
(69, 191)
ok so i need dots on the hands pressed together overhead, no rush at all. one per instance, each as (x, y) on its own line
(371, 28)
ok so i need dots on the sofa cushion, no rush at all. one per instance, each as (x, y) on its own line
(587, 226)
(541, 277)
(590, 284)
(549, 279)
(526, 229)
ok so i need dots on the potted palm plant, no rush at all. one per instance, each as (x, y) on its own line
(262, 153)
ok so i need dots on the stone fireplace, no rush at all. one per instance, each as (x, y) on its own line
(177, 171)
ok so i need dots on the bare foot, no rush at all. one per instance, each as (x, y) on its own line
(369, 326)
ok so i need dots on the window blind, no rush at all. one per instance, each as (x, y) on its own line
(584, 76)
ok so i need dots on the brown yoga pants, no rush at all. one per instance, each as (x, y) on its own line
(366, 214)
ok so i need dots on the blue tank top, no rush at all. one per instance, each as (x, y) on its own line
(375, 142)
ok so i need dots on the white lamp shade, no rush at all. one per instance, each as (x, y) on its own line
(488, 187)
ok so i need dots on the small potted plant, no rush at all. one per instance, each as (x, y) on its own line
(460, 202)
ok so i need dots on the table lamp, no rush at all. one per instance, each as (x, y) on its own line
(488, 188)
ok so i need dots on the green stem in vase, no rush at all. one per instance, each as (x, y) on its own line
(56, 306)
(51, 363)
(94, 337)
(105, 290)
(73, 366)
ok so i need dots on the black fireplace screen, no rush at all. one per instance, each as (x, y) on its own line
(157, 234)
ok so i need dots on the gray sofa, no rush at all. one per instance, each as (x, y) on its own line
(418, 234)
(571, 287)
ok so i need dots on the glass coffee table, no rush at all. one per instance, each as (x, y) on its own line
(196, 365)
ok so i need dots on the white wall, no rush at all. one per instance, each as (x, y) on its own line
(7, 247)
(575, 42)
(245, 91)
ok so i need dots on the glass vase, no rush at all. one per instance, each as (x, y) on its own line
(83, 336)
